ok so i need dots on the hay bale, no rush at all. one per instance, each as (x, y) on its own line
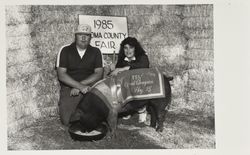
(139, 10)
(15, 85)
(19, 56)
(17, 71)
(197, 54)
(40, 79)
(201, 75)
(118, 10)
(19, 30)
(37, 9)
(201, 10)
(48, 112)
(178, 103)
(201, 97)
(203, 86)
(15, 126)
(54, 29)
(207, 44)
(15, 16)
(160, 21)
(198, 22)
(179, 85)
(14, 43)
(167, 10)
(195, 33)
(51, 17)
(16, 112)
(21, 8)
(21, 97)
(200, 64)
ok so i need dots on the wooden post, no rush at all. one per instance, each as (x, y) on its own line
(113, 59)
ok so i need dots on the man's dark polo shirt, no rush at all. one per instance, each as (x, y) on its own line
(79, 68)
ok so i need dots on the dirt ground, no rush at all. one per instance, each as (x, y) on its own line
(182, 129)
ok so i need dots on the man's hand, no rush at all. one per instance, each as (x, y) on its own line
(85, 89)
(74, 92)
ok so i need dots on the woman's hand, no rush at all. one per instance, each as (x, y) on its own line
(112, 67)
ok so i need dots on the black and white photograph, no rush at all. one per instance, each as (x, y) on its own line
(122, 77)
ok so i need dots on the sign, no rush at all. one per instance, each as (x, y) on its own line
(107, 32)
(139, 84)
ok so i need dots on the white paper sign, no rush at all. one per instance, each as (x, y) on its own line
(107, 31)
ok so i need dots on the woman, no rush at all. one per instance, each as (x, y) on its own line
(131, 56)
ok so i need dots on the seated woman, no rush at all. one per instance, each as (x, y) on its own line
(131, 56)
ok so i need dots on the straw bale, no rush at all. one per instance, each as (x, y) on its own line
(141, 9)
(50, 17)
(201, 97)
(37, 9)
(204, 108)
(19, 56)
(18, 8)
(15, 43)
(179, 85)
(200, 64)
(178, 103)
(198, 22)
(19, 30)
(201, 75)
(16, 126)
(55, 28)
(160, 38)
(208, 110)
(15, 17)
(199, 33)
(201, 44)
(30, 80)
(16, 112)
(198, 10)
(48, 111)
(14, 98)
(65, 8)
(197, 54)
(15, 85)
(204, 86)
(22, 97)
(26, 68)
(161, 21)
(167, 10)
(118, 10)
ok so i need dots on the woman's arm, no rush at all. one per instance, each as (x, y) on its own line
(118, 70)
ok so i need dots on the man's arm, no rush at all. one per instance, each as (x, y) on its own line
(65, 78)
(96, 76)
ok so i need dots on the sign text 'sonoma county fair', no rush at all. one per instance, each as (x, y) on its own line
(107, 32)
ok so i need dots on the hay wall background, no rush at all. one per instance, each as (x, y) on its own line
(178, 39)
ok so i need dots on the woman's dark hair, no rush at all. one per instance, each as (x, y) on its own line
(139, 51)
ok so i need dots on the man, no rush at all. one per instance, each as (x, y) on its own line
(79, 65)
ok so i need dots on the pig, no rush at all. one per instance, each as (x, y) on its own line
(95, 112)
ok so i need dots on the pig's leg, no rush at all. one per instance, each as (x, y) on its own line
(112, 122)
